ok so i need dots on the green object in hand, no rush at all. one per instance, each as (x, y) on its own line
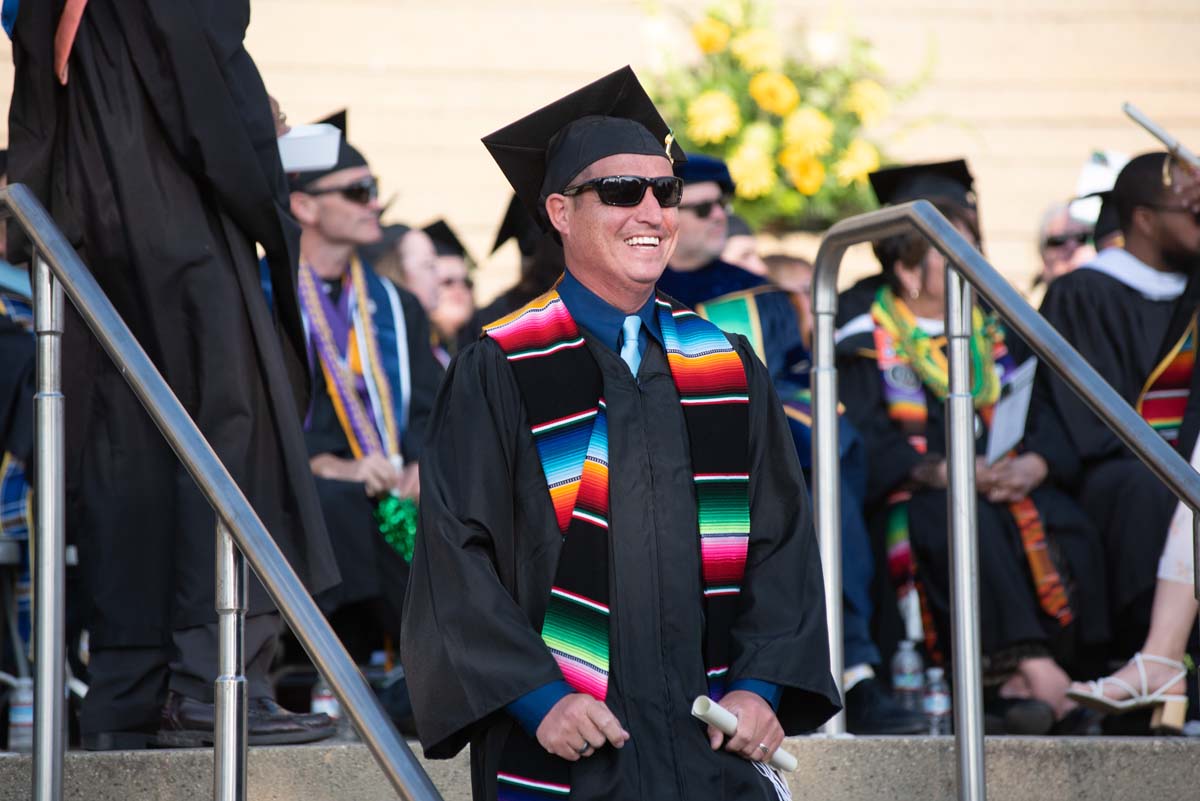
(397, 521)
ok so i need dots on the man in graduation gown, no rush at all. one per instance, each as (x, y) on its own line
(152, 144)
(1130, 314)
(374, 377)
(741, 302)
(570, 663)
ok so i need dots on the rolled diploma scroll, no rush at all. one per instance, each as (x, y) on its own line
(709, 711)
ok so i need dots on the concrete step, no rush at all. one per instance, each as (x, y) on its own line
(877, 768)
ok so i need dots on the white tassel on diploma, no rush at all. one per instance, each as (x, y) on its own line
(709, 711)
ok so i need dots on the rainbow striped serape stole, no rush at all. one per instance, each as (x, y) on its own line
(1164, 397)
(711, 382)
(561, 387)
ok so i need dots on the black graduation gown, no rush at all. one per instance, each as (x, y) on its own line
(1010, 615)
(1123, 336)
(487, 553)
(158, 160)
(370, 568)
(17, 349)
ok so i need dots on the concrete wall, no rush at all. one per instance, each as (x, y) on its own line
(1023, 88)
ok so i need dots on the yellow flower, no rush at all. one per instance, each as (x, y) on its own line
(868, 101)
(774, 93)
(859, 159)
(806, 173)
(752, 171)
(757, 50)
(713, 117)
(711, 35)
(762, 135)
(808, 130)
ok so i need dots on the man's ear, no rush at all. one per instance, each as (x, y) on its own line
(1142, 221)
(304, 208)
(558, 209)
(909, 278)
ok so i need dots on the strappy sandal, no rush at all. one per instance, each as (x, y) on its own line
(1170, 709)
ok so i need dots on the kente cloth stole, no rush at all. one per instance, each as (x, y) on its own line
(1163, 399)
(904, 391)
(561, 387)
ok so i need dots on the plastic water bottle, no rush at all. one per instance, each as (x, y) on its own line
(323, 700)
(937, 701)
(20, 716)
(908, 677)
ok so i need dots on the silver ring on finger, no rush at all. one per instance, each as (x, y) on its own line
(583, 751)
(764, 748)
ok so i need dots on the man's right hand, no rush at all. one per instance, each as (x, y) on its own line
(374, 471)
(577, 726)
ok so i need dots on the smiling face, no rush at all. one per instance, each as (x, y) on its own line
(618, 252)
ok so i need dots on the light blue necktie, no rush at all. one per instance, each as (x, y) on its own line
(629, 349)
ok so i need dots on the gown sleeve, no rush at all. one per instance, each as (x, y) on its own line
(780, 635)
(468, 648)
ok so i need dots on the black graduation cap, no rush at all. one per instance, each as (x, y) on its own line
(945, 180)
(540, 153)
(348, 156)
(338, 120)
(1107, 221)
(445, 241)
(391, 235)
(517, 224)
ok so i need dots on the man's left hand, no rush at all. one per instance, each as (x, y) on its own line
(759, 733)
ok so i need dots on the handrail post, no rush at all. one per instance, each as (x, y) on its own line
(964, 556)
(827, 496)
(49, 540)
(229, 732)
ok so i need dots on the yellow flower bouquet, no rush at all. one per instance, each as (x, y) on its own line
(789, 123)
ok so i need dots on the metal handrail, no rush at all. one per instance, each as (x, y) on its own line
(57, 269)
(963, 262)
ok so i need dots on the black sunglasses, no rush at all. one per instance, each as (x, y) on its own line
(704, 208)
(361, 192)
(628, 190)
(1058, 240)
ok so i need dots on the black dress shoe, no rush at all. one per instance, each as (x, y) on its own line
(871, 710)
(116, 740)
(187, 723)
(1022, 716)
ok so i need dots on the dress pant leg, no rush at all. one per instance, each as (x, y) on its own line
(126, 691)
(194, 666)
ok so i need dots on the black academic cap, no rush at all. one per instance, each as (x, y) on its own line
(445, 241)
(338, 120)
(391, 235)
(540, 153)
(517, 224)
(1108, 222)
(348, 156)
(945, 180)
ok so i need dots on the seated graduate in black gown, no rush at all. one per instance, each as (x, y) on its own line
(741, 302)
(374, 379)
(1131, 313)
(1037, 551)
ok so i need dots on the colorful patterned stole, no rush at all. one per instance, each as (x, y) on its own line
(561, 387)
(360, 389)
(907, 371)
(1164, 397)
(16, 495)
